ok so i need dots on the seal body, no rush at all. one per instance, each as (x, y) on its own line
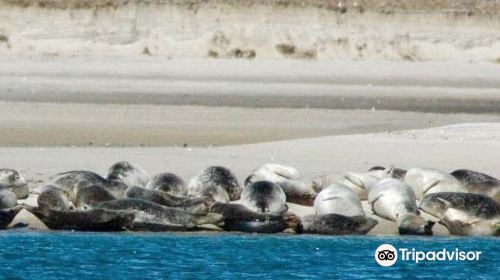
(128, 173)
(7, 215)
(392, 199)
(338, 199)
(12, 180)
(152, 216)
(70, 182)
(239, 218)
(477, 182)
(464, 213)
(334, 224)
(54, 199)
(288, 179)
(427, 181)
(217, 182)
(195, 205)
(8, 199)
(360, 183)
(169, 183)
(264, 197)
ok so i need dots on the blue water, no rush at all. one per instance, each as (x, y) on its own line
(70, 255)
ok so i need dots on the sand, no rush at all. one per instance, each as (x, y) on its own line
(475, 146)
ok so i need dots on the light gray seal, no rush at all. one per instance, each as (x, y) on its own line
(426, 181)
(334, 224)
(360, 183)
(12, 180)
(217, 182)
(264, 197)
(288, 179)
(466, 214)
(8, 207)
(393, 200)
(150, 216)
(169, 183)
(128, 173)
(477, 182)
(338, 199)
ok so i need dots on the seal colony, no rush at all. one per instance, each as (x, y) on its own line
(272, 199)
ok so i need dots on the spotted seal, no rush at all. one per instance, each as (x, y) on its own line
(215, 181)
(128, 173)
(477, 182)
(264, 197)
(12, 180)
(464, 213)
(288, 179)
(169, 183)
(239, 218)
(334, 224)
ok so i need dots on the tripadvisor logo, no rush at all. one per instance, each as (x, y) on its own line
(388, 255)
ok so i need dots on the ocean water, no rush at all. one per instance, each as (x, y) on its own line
(73, 255)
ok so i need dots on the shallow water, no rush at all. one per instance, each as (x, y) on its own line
(71, 255)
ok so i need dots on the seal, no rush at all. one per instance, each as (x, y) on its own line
(169, 183)
(154, 217)
(334, 224)
(87, 195)
(8, 199)
(393, 200)
(426, 181)
(264, 197)
(12, 180)
(217, 182)
(288, 179)
(54, 199)
(338, 199)
(396, 173)
(477, 182)
(71, 181)
(194, 205)
(467, 214)
(128, 173)
(239, 218)
(7, 215)
(84, 220)
(360, 183)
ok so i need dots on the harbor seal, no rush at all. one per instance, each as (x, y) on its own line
(8, 199)
(239, 218)
(217, 182)
(71, 181)
(155, 217)
(288, 179)
(426, 181)
(12, 180)
(360, 183)
(467, 214)
(54, 199)
(393, 200)
(194, 205)
(84, 220)
(169, 183)
(264, 197)
(477, 182)
(334, 224)
(88, 195)
(7, 215)
(338, 199)
(128, 173)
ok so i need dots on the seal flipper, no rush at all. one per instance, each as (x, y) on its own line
(413, 224)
